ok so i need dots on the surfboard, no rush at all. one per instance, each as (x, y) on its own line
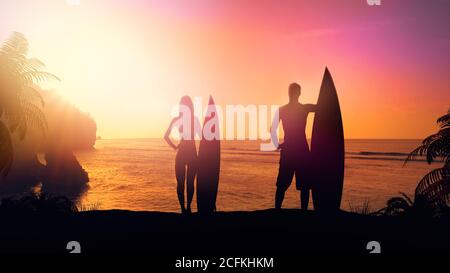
(327, 149)
(208, 162)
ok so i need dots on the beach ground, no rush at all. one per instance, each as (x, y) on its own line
(258, 232)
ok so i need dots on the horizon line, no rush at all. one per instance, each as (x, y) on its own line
(161, 138)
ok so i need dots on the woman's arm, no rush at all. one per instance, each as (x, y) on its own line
(167, 134)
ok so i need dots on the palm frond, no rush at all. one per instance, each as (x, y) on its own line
(444, 121)
(6, 150)
(31, 94)
(430, 178)
(16, 44)
(15, 116)
(419, 151)
(433, 147)
(407, 199)
(20, 126)
(33, 64)
(31, 77)
(437, 194)
(12, 64)
(34, 117)
(15, 50)
(438, 147)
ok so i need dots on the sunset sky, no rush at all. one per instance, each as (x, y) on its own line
(127, 63)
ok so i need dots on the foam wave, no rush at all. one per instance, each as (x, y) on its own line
(383, 158)
(370, 153)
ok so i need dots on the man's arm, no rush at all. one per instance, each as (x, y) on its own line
(274, 144)
(274, 129)
(310, 107)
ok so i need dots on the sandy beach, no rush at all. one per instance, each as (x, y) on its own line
(257, 232)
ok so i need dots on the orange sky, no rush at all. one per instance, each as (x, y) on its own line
(127, 63)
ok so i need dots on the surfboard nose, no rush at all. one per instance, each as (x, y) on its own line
(327, 72)
(211, 100)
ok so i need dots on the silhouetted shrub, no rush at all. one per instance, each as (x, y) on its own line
(39, 203)
(418, 208)
(363, 209)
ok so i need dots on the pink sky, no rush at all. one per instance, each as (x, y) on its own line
(390, 63)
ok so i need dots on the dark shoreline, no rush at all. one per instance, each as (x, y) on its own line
(258, 232)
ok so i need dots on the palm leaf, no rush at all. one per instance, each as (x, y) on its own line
(433, 147)
(15, 50)
(435, 186)
(444, 121)
(33, 64)
(6, 150)
(34, 117)
(438, 193)
(419, 151)
(407, 199)
(431, 178)
(30, 77)
(17, 44)
(31, 94)
(15, 116)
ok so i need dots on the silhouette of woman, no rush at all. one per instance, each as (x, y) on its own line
(186, 158)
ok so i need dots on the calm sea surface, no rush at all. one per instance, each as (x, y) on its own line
(138, 174)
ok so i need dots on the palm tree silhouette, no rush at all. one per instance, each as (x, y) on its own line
(435, 186)
(20, 102)
(432, 193)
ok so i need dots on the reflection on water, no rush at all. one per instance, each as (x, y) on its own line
(139, 175)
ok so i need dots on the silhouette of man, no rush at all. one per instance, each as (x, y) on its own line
(294, 154)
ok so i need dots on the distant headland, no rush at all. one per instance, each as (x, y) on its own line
(68, 127)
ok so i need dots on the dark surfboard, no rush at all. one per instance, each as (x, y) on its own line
(208, 165)
(327, 149)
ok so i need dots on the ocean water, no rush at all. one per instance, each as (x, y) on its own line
(138, 174)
